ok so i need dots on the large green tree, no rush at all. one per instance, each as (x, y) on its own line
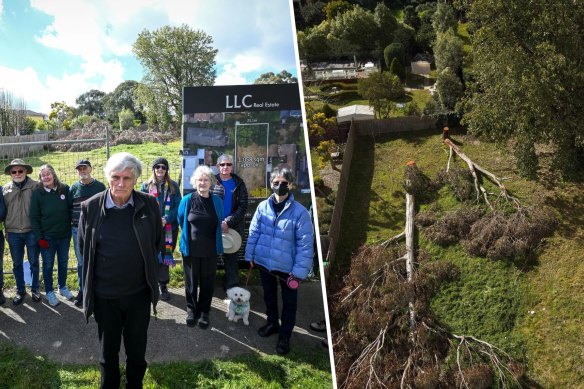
(121, 98)
(380, 88)
(313, 42)
(354, 32)
(91, 103)
(173, 58)
(448, 51)
(284, 77)
(527, 65)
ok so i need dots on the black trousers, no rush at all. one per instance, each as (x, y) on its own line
(231, 271)
(128, 317)
(200, 272)
(270, 281)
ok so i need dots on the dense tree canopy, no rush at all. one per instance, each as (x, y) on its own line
(284, 77)
(173, 58)
(527, 64)
(380, 89)
(448, 51)
(121, 98)
(91, 103)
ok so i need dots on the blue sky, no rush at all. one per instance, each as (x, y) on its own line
(55, 50)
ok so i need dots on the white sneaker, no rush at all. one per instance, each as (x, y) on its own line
(66, 293)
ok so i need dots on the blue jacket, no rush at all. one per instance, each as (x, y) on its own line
(283, 243)
(183, 212)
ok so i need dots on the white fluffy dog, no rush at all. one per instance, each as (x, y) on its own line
(238, 304)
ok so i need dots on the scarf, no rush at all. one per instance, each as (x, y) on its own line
(167, 260)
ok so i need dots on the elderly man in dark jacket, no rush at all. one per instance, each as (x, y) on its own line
(120, 235)
(231, 188)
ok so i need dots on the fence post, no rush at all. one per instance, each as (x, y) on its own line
(107, 150)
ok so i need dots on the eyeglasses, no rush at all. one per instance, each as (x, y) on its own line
(163, 167)
(17, 172)
(280, 182)
(225, 164)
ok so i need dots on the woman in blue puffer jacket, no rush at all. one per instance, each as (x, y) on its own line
(280, 244)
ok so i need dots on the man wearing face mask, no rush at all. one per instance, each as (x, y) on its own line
(280, 245)
(17, 194)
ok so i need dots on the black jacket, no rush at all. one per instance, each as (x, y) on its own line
(147, 226)
(236, 218)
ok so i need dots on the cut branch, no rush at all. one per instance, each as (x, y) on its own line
(490, 176)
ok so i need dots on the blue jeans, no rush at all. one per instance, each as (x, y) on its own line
(17, 241)
(61, 248)
(79, 257)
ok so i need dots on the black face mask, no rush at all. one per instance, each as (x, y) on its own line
(281, 189)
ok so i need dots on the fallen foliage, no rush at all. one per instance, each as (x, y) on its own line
(375, 346)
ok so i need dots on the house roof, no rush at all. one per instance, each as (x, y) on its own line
(355, 112)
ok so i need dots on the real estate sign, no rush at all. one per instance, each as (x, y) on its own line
(259, 125)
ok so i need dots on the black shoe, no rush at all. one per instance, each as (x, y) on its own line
(2, 298)
(19, 298)
(36, 295)
(268, 329)
(204, 320)
(164, 295)
(191, 319)
(324, 342)
(79, 300)
(319, 326)
(283, 346)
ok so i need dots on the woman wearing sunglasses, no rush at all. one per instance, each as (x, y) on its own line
(280, 245)
(167, 194)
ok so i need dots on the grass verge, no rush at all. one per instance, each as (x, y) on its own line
(20, 369)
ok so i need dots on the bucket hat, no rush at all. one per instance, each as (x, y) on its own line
(231, 241)
(17, 162)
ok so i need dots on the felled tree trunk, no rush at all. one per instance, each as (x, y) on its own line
(409, 232)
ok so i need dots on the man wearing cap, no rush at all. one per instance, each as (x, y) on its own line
(80, 191)
(17, 194)
(231, 188)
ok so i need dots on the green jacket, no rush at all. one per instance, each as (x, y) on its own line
(50, 215)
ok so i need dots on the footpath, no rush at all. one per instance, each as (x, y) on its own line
(61, 334)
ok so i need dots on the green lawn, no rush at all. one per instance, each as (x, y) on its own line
(20, 369)
(533, 313)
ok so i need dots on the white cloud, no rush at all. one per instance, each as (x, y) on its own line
(231, 75)
(252, 37)
(25, 84)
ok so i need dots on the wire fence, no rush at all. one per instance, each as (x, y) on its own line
(36, 150)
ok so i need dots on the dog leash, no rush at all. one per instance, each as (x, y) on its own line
(292, 281)
(248, 274)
